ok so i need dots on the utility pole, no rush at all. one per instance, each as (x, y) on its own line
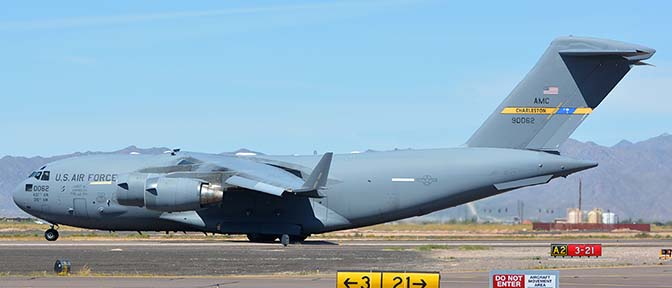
(580, 194)
(580, 211)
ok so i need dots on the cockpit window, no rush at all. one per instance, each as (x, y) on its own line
(32, 174)
(37, 176)
(45, 176)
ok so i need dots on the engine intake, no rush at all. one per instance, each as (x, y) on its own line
(131, 189)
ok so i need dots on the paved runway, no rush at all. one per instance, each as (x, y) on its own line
(313, 264)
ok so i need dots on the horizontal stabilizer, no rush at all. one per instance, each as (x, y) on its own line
(630, 54)
(642, 63)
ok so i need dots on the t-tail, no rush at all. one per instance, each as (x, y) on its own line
(571, 79)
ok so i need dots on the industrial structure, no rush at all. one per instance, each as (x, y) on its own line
(593, 220)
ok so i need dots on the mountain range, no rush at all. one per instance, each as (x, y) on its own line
(633, 180)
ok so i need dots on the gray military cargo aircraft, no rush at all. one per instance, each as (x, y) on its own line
(292, 197)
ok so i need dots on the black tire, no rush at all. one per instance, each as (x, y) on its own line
(284, 239)
(262, 238)
(51, 235)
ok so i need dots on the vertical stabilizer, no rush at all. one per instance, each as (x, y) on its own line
(571, 79)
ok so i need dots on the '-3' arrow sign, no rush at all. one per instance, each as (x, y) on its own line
(347, 283)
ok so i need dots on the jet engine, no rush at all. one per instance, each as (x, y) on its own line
(131, 189)
(180, 194)
(169, 194)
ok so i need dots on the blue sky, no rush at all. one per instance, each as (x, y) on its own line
(288, 77)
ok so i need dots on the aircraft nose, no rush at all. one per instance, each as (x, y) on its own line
(18, 195)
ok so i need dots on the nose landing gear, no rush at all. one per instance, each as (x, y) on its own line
(284, 239)
(51, 234)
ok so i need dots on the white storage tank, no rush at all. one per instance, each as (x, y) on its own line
(574, 216)
(609, 218)
(595, 216)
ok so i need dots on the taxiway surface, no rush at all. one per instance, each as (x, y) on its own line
(127, 263)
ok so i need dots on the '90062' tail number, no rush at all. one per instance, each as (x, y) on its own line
(522, 120)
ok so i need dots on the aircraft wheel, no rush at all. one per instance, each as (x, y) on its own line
(284, 239)
(51, 234)
(261, 238)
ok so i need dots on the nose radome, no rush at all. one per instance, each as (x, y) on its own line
(18, 193)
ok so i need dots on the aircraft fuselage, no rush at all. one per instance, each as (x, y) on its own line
(363, 189)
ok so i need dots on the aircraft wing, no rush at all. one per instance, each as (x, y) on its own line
(261, 177)
(247, 182)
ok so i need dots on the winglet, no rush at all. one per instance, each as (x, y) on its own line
(318, 178)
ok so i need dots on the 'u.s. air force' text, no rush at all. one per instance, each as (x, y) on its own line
(64, 177)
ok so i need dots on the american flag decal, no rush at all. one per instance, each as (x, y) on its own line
(551, 90)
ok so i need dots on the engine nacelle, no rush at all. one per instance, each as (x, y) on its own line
(180, 194)
(131, 189)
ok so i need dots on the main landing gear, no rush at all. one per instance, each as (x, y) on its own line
(285, 239)
(261, 238)
(51, 234)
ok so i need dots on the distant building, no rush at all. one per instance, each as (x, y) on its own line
(574, 215)
(609, 218)
(595, 216)
(589, 227)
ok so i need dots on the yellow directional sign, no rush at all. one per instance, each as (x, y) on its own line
(387, 279)
(411, 279)
(359, 279)
(558, 250)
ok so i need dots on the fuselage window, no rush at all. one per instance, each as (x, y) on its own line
(37, 176)
(45, 176)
